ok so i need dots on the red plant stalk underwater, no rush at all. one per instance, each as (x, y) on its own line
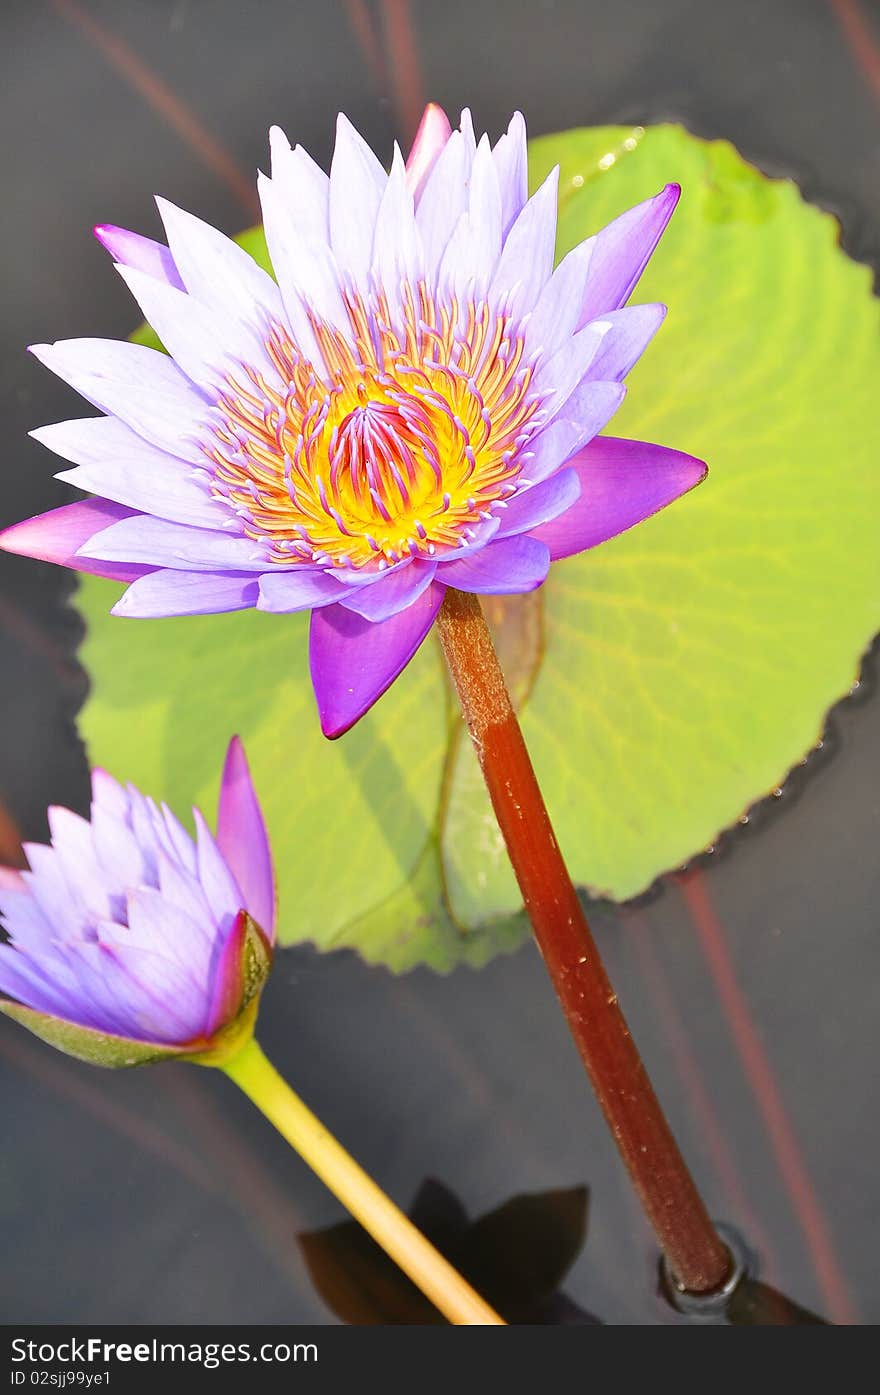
(659, 1173)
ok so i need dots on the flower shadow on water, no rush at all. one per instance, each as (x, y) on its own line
(517, 1255)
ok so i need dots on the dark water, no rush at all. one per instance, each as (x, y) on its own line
(753, 987)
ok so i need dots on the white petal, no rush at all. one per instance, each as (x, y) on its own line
(484, 208)
(443, 201)
(157, 543)
(117, 464)
(397, 246)
(527, 258)
(141, 386)
(207, 344)
(302, 185)
(357, 183)
(217, 271)
(511, 162)
(305, 266)
(466, 126)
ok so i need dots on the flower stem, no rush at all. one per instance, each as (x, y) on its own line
(694, 1250)
(426, 1267)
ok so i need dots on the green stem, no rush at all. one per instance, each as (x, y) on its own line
(255, 1075)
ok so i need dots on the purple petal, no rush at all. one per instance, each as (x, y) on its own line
(622, 482)
(169, 592)
(143, 253)
(243, 840)
(158, 543)
(181, 888)
(398, 589)
(86, 976)
(179, 842)
(222, 892)
(433, 133)
(477, 535)
(30, 923)
(298, 589)
(560, 375)
(143, 823)
(11, 879)
(25, 980)
(466, 127)
(138, 992)
(623, 250)
(74, 848)
(630, 334)
(161, 488)
(58, 535)
(557, 311)
(539, 504)
(49, 886)
(506, 567)
(159, 926)
(117, 850)
(527, 259)
(353, 661)
(589, 408)
(465, 266)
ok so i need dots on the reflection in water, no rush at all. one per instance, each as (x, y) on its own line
(758, 1305)
(516, 1256)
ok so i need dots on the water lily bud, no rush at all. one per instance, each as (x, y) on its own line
(129, 941)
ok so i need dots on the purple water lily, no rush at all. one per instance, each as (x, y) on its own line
(128, 940)
(413, 405)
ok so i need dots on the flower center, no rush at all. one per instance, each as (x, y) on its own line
(389, 442)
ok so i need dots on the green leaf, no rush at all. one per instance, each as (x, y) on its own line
(689, 664)
(679, 671)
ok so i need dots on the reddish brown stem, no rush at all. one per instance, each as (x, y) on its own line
(673, 1205)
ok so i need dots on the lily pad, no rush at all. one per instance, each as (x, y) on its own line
(667, 680)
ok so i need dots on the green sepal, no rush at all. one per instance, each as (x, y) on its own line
(86, 1044)
(254, 960)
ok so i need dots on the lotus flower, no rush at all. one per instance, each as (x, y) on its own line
(128, 940)
(413, 404)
